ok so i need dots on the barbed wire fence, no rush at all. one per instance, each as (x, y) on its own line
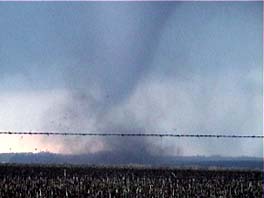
(172, 135)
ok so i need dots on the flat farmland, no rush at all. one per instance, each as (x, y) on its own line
(93, 181)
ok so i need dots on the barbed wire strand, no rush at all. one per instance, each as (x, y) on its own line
(131, 134)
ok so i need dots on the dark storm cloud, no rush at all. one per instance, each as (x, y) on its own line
(137, 66)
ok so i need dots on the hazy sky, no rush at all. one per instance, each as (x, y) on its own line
(183, 67)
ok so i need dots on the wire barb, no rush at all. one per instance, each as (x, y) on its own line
(132, 134)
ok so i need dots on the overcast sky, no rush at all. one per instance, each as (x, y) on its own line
(183, 67)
